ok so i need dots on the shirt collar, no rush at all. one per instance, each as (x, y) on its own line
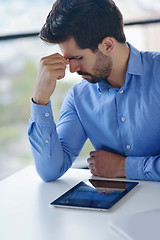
(134, 68)
(103, 85)
(135, 62)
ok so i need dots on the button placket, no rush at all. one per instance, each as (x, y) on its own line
(123, 123)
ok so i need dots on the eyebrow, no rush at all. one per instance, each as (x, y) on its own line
(76, 57)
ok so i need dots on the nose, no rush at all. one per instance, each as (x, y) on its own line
(74, 66)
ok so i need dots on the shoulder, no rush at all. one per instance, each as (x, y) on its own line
(151, 57)
(151, 64)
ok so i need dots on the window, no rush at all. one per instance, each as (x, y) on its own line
(18, 66)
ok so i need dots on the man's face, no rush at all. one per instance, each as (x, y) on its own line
(92, 66)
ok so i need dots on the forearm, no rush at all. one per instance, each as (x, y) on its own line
(46, 148)
(143, 168)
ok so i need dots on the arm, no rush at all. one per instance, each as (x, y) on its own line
(143, 168)
(53, 148)
(106, 164)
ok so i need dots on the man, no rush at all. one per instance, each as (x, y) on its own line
(116, 105)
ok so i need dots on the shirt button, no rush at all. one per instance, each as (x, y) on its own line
(46, 141)
(123, 119)
(121, 91)
(128, 146)
(46, 114)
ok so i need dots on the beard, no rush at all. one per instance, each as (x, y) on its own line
(101, 69)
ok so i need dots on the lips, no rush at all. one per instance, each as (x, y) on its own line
(85, 76)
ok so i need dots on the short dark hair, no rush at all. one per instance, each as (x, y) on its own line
(87, 21)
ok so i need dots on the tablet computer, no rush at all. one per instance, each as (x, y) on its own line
(94, 194)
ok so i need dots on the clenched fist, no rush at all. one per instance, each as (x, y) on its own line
(51, 69)
(106, 164)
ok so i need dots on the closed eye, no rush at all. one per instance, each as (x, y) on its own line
(76, 58)
(80, 57)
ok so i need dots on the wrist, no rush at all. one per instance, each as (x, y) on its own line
(40, 101)
(122, 167)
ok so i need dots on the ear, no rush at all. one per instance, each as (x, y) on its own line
(107, 45)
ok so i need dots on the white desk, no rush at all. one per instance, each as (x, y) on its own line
(25, 212)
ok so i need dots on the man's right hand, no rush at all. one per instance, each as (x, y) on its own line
(51, 69)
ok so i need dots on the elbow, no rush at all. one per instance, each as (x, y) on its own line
(46, 178)
(48, 175)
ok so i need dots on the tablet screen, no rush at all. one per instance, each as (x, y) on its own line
(94, 194)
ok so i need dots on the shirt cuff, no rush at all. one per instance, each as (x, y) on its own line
(134, 168)
(41, 113)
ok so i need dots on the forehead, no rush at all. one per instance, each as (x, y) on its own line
(70, 48)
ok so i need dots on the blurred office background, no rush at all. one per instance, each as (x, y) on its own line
(20, 51)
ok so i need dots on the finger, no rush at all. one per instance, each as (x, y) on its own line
(52, 62)
(93, 172)
(90, 160)
(55, 73)
(91, 166)
(61, 74)
(60, 77)
(92, 154)
(54, 57)
(56, 66)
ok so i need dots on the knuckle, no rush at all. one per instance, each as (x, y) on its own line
(92, 153)
(56, 55)
(43, 58)
(43, 62)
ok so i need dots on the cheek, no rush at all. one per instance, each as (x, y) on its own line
(87, 66)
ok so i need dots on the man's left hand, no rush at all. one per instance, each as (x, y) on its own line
(106, 164)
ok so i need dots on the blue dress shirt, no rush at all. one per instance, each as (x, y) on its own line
(125, 121)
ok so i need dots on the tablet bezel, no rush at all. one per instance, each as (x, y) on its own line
(132, 184)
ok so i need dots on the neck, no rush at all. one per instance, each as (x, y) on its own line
(120, 59)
